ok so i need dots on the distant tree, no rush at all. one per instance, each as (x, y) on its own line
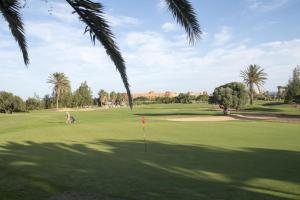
(33, 103)
(10, 103)
(113, 97)
(66, 98)
(202, 98)
(253, 76)
(19, 104)
(293, 87)
(60, 85)
(6, 102)
(103, 97)
(231, 95)
(141, 99)
(183, 98)
(120, 98)
(76, 99)
(165, 100)
(211, 99)
(266, 96)
(48, 101)
(96, 101)
(83, 95)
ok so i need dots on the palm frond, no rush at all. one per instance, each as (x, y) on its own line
(185, 15)
(93, 16)
(10, 10)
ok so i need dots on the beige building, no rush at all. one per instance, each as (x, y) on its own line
(196, 93)
(281, 91)
(149, 95)
(152, 94)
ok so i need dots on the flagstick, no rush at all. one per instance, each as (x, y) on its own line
(145, 142)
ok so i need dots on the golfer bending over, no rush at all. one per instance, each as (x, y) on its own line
(70, 119)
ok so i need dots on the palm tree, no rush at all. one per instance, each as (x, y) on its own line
(103, 97)
(113, 97)
(92, 14)
(60, 84)
(253, 76)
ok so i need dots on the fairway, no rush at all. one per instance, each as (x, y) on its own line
(102, 155)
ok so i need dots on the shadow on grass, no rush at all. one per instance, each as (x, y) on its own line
(285, 115)
(179, 114)
(122, 170)
(273, 103)
(262, 109)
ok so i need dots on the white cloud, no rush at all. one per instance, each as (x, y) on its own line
(223, 36)
(266, 6)
(56, 47)
(122, 20)
(63, 13)
(159, 63)
(168, 27)
(161, 5)
(205, 35)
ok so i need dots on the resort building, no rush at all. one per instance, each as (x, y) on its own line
(281, 92)
(152, 94)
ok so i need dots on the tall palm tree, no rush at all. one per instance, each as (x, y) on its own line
(254, 76)
(60, 85)
(92, 14)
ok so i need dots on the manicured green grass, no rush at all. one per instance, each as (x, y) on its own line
(103, 154)
(278, 108)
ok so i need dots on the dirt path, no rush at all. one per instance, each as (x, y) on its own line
(234, 117)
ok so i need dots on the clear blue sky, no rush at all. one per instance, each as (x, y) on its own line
(236, 33)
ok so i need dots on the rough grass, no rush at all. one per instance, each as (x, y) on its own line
(103, 156)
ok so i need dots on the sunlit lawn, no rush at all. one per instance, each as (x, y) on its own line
(103, 154)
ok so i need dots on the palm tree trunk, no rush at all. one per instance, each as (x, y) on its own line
(57, 103)
(57, 97)
(251, 94)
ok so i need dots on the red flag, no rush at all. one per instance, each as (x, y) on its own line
(143, 120)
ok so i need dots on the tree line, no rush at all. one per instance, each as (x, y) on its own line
(184, 98)
(62, 96)
(231, 95)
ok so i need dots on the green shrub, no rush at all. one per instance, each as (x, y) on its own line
(10, 103)
(231, 95)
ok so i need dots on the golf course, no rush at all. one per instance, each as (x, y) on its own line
(149, 100)
(103, 155)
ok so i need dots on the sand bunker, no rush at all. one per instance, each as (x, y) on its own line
(202, 119)
(75, 109)
(234, 117)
